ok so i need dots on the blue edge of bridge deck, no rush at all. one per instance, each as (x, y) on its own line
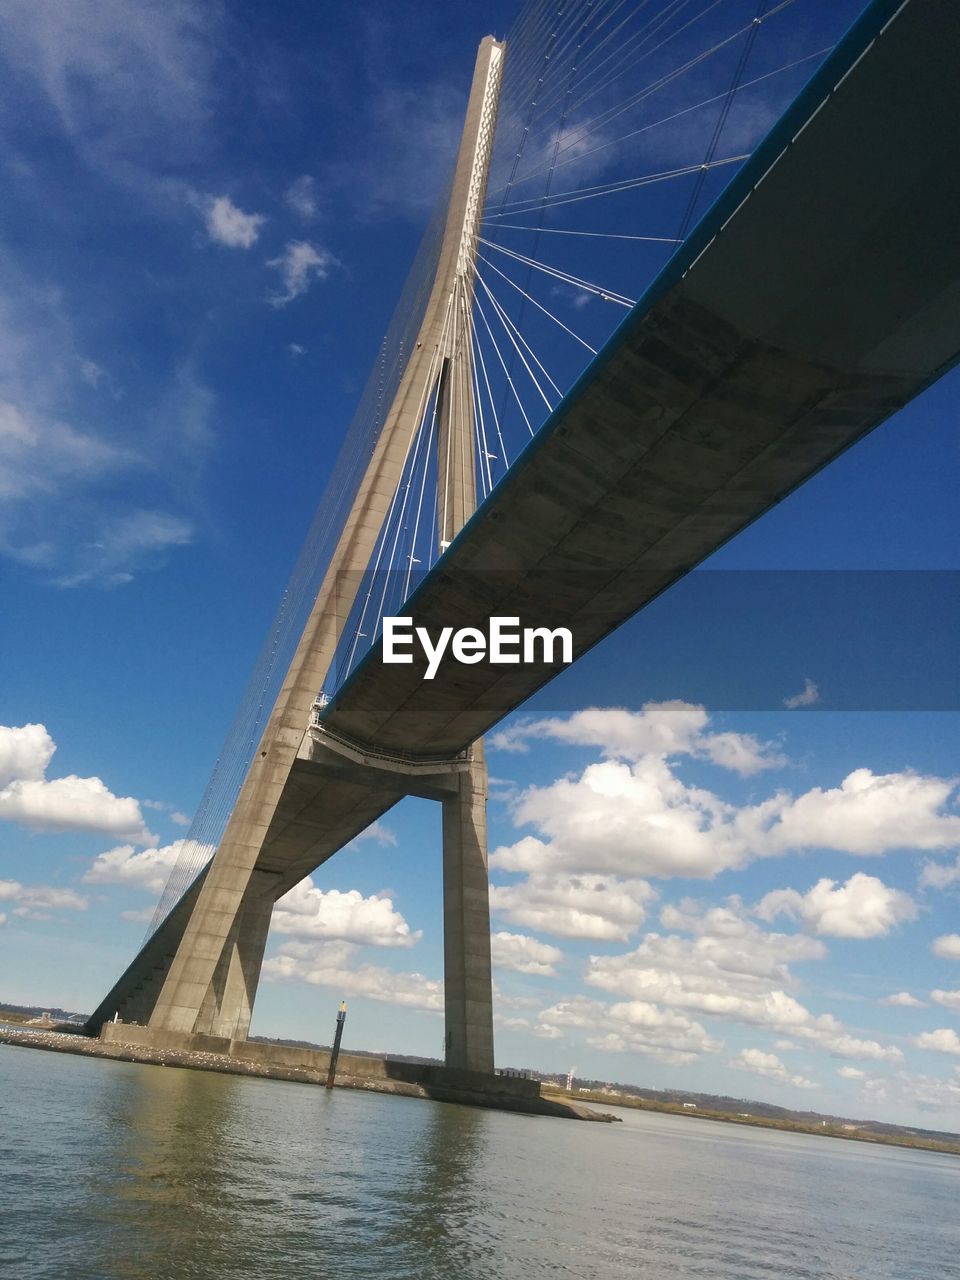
(818, 88)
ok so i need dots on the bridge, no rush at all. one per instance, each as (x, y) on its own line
(818, 295)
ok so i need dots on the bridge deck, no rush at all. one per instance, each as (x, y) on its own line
(826, 296)
(820, 295)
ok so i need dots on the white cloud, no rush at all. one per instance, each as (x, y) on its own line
(124, 543)
(867, 814)
(864, 907)
(903, 1000)
(659, 728)
(523, 954)
(180, 819)
(379, 832)
(25, 752)
(770, 1066)
(809, 695)
(331, 965)
(943, 1040)
(511, 1024)
(142, 916)
(851, 1073)
(949, 999)
(148, 869)
(585, 906)
(37, 900)
(230, 226)
(307, 911)
(618, 819)
(123, 81)
(58, 804)
(947, 947)
(38, 454)
(940, 875)
(301, 196)
(641, 819)
(299, 265)
(633, 1026)
(731, 969)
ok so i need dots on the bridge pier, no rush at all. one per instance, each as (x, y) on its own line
(468, 986)
(228, 1005)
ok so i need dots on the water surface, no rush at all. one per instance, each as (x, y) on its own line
(114, 1171)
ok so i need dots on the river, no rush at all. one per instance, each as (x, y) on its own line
(113, 1171)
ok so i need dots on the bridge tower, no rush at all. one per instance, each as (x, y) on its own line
(205, 980)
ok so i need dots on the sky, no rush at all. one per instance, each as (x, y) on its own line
(725, 847)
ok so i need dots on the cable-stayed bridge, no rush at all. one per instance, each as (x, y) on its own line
(774, 301)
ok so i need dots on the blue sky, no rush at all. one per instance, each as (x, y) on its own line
(209, 211)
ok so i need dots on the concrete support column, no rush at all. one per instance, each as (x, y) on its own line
(228, 1005)
(468, 986)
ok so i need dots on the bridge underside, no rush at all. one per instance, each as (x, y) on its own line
(821, 296)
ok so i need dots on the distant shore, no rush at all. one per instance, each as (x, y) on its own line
(851, 1134)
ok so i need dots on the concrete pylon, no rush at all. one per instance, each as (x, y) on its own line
(209, 984)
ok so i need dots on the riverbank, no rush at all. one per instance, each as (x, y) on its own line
(849, 1133)
(314, 1073)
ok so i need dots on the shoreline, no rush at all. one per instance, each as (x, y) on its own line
(758, 1122)
(53, 1041)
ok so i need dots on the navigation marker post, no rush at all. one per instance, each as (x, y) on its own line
(335, 1051)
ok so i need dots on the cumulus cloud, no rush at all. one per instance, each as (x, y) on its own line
(809, 695)
(943, 1040)
(639, 818)
(851, 1073)
(306, 911)
(299, 265)
(626, 820)
(632, 1026)
(25, 752)
(903, 1000)
(333, 965)
(230, 226)
(730, 969)
(584, 906)
(864, 907)
(524, 954)
(940, 875)
(770, 1066)
(36, 901)
(71, 803)
(148, 869)
(867, 814)
(659, 728)
(947, 947)
(949, 999)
